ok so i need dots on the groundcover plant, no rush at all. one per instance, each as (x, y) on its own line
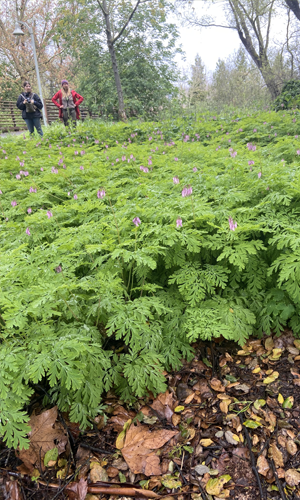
(123, 244)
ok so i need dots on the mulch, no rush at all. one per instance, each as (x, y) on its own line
(233, 417)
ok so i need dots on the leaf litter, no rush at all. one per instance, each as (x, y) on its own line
(228, 431)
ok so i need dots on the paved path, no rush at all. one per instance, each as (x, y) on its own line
(13, 133)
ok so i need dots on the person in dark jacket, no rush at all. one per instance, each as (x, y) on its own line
(30, 104)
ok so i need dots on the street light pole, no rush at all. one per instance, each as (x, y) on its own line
(17, 32)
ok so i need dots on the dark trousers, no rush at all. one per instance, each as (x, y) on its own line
(34, 123)
(67, 114)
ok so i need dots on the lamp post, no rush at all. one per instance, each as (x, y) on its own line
(19, 32)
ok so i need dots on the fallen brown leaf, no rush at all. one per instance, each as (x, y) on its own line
(97, 473)
(45, 435)
(292, 477)
(224, 405)
(139, 447)
(217, 385)
(176, 419)
(120, 417)
(11, 490)
(189, 398)
(78, 491)
(291, 447)
(262, 465)
(276, 455)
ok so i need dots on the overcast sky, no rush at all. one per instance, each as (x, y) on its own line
(214, 43)
(210, 43)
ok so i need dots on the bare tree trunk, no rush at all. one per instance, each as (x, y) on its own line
(111, 48)
(260, 57)
(294, 6)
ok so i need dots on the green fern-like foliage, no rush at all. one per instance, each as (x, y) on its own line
(90, 302)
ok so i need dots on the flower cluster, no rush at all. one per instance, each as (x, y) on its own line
(187, 191)
(232, 224)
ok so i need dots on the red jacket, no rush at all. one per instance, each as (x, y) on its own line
(57, 100)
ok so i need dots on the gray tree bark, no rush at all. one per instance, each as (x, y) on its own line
(111, 40)
(294, 6)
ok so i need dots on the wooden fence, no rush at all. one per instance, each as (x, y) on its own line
(11, 117)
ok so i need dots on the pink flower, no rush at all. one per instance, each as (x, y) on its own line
(21, 164)
(175, 159)
(26, 173)
(49, 214)
(179, 223)
(254, 130)
(18, 177)
(13, 203)
(69, 193)
(27, 231)
(42, 170)
(96, 141)
(117, 159)
(54, 170)
(32, 190)
(298, 151)
(187, 191)
(259, 175)
(232, 224)
(149, 162)
(176, 180)
(75, 197)
(131, 156)
(1, 192)
(101, 194)
(58, 269)
(29, 210)
(136, 221)
(250, 162)
(81, 167)
(123, 158)
(195, 169)
(75, 152)
(296, 136)
(233, 154)
(82, 153)
(150, 138)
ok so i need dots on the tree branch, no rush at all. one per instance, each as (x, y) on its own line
(127, 22)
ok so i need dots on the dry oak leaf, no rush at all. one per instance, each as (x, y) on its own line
(217, 385)
(292, 477)
(276, 455)
(262, 465)
(139, 447)
(77, 491)
(45, 435)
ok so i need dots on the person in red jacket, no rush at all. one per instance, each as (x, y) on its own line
(67, 101)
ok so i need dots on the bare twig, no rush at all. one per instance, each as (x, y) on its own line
(278, 483)
(253, 465)
(96, 450)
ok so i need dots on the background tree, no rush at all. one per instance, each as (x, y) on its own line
(252, 20)
(145, 55)
(16, 56)
(294, 6)
(198, 82)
